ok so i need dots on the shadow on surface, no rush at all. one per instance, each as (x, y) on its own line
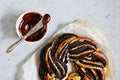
(8, 23)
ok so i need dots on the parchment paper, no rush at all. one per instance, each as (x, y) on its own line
(29, 70)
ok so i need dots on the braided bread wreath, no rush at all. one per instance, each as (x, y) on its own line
(89, 61)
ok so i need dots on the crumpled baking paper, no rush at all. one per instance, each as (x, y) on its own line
(30, 69)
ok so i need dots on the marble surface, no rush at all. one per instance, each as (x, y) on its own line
(104, 13)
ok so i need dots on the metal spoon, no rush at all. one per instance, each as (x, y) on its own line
(33, 30)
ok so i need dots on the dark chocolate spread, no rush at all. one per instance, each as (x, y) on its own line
(29, 20)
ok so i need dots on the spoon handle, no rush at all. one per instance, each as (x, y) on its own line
(14, 45)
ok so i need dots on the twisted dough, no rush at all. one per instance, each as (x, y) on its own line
(89, 61)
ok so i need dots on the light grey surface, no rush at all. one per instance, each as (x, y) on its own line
(104, 13)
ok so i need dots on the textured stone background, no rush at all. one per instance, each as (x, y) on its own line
(104, 13)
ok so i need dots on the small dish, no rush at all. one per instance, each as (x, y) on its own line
(25, 22)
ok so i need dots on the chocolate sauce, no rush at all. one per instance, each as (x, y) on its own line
(29, 20)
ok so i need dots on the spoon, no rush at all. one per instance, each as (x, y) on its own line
(33, 30)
